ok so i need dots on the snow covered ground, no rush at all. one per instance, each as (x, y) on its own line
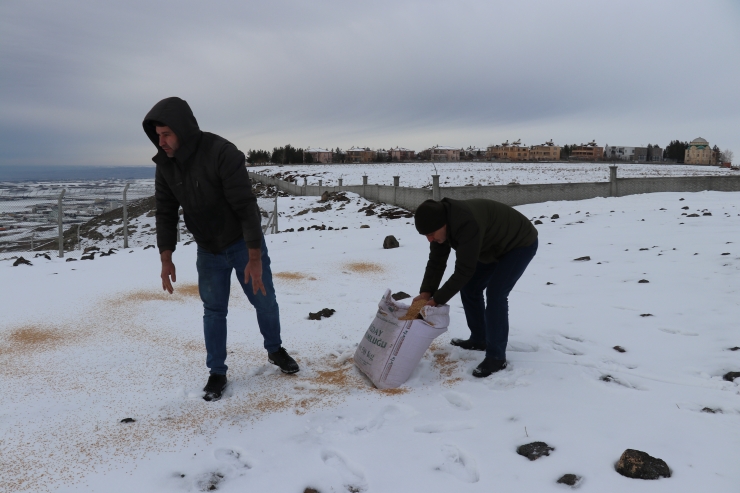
(461, 174)
(86, 344)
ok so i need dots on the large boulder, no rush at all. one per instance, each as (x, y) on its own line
(390, 242)
(534, 450)
(640, 465)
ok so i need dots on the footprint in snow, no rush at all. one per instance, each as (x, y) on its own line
(232, 457)
(352, 477)
(459, 464)
(565, 349)
(441, 427)
(508, 379)
(677, 332)
(390, 412)
(459, 400)
(522, 347)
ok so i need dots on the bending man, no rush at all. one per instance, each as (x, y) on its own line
(493, 245)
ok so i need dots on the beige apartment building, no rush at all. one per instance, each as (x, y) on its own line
(360, 155)
(441, 153)
(699, 152)
(544, 152)
(320, 155)
(402, 154)
(588, 152)
(510, 152)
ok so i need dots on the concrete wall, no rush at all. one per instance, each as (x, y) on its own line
(410, 198)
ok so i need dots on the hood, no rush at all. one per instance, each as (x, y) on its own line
(176, 114)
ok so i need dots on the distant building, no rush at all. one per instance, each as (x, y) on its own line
(509, 152)
(320, 155)
(654, 153)
(618, 153)
(473, 153)
(699, 152)
(402, 154)
(650, 153)
(545, 152)
(441, 153)
(360, 155)
(587, 152)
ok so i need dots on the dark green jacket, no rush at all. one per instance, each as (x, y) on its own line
(480, 230)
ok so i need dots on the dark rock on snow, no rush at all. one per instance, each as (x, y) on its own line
(731, 376)
(390, 242)
(534, 450)
(364, 226)
(643, 281)
(148, 247)
(326, 313)
(569, 479)
(400, 296)
(639, 465)
(620, 349)
(21, 261)
(555, 216)
(70, 259)
(736, 348)
(582, 259)
(538, 221)
(128, 420)
(711, 411)
(95, 249)
(646, 314)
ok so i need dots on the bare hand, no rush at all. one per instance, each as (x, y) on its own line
(426, 296)
(253, 271)
(168, 271)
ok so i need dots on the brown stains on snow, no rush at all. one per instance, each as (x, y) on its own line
(190, 290)
(290, 276)
(364, 267)
(32, 338)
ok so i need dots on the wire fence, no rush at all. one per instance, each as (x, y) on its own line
(41, 216)
(68, 216)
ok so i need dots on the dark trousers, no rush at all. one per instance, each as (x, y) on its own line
(489, 321)
(214, 285)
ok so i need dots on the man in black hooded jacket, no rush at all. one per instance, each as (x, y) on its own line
(206, 175)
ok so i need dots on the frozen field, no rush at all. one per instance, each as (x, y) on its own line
(461, 174)
(86, 344)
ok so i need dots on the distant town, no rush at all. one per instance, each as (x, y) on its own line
(696, 152)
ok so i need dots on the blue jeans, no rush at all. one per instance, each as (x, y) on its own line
(489, 322)
(214, 285)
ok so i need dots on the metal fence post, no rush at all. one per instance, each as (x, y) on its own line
(435, 187)
(60, 222)
(125, 217)
(79, 245)
(275, 216)
(178, 226)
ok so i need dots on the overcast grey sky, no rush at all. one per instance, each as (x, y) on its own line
(77, 77)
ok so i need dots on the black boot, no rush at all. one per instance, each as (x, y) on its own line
(282, 359)
(468, 344)
(215, 387)
(489, 366)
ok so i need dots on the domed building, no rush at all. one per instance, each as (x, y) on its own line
(699, 152)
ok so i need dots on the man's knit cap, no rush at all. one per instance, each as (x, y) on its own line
(429, 217)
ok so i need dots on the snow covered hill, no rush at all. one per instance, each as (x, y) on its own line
(86, 344)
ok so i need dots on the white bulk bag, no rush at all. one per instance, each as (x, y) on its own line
(391, 348)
